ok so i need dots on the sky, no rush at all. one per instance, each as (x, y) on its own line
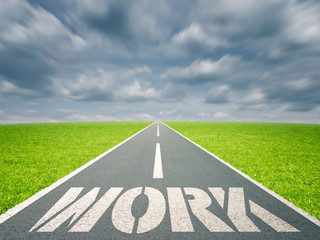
(219, 60)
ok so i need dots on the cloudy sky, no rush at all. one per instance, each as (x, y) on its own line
(80, 60)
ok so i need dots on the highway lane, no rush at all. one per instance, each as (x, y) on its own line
(158, 185)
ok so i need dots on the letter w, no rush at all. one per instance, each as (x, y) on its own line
(74, 210)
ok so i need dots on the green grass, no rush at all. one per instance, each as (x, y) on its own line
(283, 157)
(33, 156)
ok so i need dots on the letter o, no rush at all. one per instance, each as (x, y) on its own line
(122, 217)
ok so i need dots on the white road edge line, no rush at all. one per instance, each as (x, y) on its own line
(11, 212)
(282, 199)
(157, 170)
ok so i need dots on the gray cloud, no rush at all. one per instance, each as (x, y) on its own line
(24, 69)
(113, 20)
(207, 60)
(201, 71)
(249, 84)
(124, 24)
(219, 95)
(31, 48)
(272, 29)
(302, 95)
(193, 40)
(109, 86)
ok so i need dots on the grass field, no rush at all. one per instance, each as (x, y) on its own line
(283, 157)
(33, 156)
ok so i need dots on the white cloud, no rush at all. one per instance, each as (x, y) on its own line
(110, 85)
(221, 115)
(135, 92)
(30, 111)
(10, 89)
(201, 71)
(192, 40)
(35, 45)
(303, 23)
(40, 28)
(167, 113)
(204, 115)
(144, 116)
(299, 84)
(255, 96)
(218, 95)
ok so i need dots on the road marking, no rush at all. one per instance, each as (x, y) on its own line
(179, 215)
(74, 211)
(94, 214)
(158, 131)
(199, 206)
(155, 212)
(64, 201)
(157, 170)
(122, 218)
(218, 194)
(13, 211)
(237, 211)
(272, 220)
(68, 209)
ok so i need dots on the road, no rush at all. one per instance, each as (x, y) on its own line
(158, 185)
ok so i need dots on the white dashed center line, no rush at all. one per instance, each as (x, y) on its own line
(157, 171)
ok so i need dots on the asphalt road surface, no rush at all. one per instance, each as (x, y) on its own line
(157, 185)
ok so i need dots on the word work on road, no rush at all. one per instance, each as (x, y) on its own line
(122, 219)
